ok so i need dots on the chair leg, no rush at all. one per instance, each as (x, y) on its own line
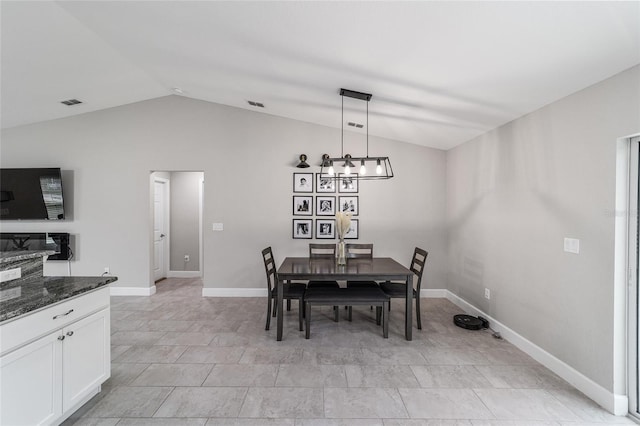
(378, 315)
(350, 313)
(418, 312)
(385, 321)
(336, 314)
(266, 327)
(300, 311)
(288, 304)
(307, 314)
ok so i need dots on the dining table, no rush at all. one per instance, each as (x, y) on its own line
(328, 269)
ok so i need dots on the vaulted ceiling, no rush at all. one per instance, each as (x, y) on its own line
(440, 73)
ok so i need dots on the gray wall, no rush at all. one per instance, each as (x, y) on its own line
(515, 193)
(248, 160)
(185, 225)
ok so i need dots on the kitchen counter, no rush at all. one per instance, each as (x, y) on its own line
(19, 297)
(13, 256)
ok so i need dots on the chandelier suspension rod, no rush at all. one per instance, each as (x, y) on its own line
(342, 131)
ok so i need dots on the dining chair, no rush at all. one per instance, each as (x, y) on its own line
(322, 251)
(399, 290)
(290, 290)
(359, 251)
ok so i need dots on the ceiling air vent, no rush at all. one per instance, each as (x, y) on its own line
(256, 104)
(356, 125)
(71, 102)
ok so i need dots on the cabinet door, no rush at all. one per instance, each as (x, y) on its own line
(86, 359)
(31, 382)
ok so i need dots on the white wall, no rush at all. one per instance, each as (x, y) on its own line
(248, 160)
(515, 193)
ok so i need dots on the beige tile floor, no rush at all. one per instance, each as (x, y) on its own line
(180, 359)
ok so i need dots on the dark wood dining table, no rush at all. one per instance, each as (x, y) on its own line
(376, 269)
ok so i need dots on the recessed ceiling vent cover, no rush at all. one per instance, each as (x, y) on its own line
(71, 102)
(467, 321)
(256, 104)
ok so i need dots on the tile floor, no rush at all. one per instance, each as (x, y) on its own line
(180, 359)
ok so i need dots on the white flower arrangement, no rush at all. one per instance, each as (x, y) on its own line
(343, 223)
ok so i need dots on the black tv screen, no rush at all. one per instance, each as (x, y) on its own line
(31, 194)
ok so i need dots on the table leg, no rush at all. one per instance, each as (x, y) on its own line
(409, 303)
(279, 311)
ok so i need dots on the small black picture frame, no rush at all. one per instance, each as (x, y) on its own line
(325, 205)
(347, 184)
(325, 229)
(354, 230)
(302, 229)
(325, 184)
(349, 204)
(303, 205)
(303, 182)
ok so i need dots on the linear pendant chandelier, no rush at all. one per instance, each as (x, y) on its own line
(360, 168)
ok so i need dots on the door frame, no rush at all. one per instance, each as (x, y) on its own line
(633, 364)
(167, 223)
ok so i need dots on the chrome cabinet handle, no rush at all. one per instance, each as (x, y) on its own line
(63, 315)
(69, 333)
(61, 337)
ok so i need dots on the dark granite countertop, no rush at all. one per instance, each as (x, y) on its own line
(12, 256)
(21, 297)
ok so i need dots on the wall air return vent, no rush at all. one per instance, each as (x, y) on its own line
(71, 102)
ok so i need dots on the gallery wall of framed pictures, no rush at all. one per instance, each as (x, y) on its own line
(315, 196)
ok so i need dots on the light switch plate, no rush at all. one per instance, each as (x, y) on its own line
(218, 227)
(572, 245)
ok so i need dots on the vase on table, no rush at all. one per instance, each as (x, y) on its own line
(342, 260)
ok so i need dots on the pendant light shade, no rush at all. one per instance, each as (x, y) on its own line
(382, 168)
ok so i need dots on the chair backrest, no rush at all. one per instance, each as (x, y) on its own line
(319, 251)
(270, 268)
(359, 251)
(417, 264)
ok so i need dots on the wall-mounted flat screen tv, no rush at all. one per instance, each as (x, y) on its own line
(31, 194)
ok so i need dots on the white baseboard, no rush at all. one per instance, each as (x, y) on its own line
(184, 274)
(234, 292)
(132, 291)
(434, 293)
(614, 403)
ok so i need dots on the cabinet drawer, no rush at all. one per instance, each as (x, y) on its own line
(28, 328)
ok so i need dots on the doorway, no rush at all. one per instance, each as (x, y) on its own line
(178, 200)
(160, 227)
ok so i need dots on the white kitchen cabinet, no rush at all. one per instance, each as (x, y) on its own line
(47, 377)
(85, 357)
(31, 383)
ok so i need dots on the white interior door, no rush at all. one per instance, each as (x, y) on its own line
(160, 220)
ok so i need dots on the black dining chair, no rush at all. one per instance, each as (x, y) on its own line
(322, 251)
(359, 251)
(290, 290)
(399, 290)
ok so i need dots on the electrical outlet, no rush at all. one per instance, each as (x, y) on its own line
(487, 294)
(10, 274)
(186, 257)
(107, 270)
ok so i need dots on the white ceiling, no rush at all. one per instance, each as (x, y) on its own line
(440, 73)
